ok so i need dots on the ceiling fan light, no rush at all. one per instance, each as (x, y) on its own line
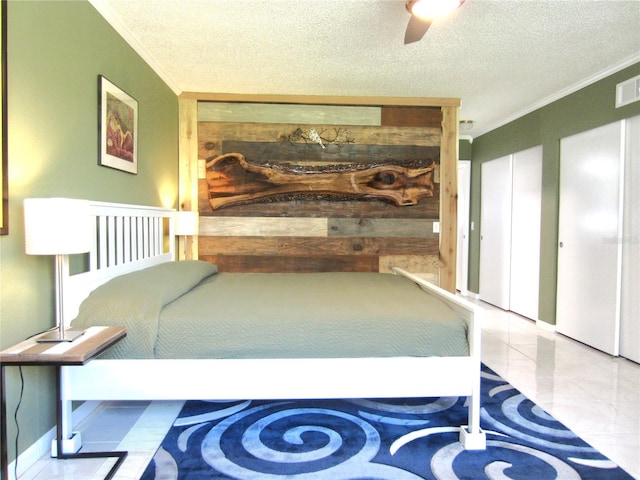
(430, 9)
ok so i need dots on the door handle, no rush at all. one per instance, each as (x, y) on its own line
(561, 244)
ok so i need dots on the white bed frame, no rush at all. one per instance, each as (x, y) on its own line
(130, 237)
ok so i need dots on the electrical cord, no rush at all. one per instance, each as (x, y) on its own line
(20, 397)
(15, 413)
(15, 419)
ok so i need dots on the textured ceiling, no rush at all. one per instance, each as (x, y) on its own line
(502, 58)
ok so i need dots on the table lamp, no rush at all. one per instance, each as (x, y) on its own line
(186, 225)
(57, 226)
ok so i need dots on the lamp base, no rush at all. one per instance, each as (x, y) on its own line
(60, 336)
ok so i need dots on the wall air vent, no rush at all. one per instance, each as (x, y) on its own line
(628, 91)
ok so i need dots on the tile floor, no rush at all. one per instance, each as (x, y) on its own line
(595, 395)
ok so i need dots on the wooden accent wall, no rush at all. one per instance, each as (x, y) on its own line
(307, 234)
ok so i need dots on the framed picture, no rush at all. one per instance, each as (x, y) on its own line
(4, 181)
(118, 125)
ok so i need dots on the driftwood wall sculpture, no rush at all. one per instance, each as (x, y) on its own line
(233, 181)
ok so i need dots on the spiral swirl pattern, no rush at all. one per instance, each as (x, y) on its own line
(399, 439)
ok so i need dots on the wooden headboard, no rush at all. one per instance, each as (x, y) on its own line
(126, 238)
(300, 232)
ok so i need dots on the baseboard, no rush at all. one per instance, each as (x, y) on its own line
(545, 326)
(42, 446)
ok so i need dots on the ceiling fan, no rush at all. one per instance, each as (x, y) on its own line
(423, 12)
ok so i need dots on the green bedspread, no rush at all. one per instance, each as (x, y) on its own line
(188, 310)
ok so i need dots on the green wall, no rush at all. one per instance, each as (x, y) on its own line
(465, 149)
(583, 110)
(56, 50)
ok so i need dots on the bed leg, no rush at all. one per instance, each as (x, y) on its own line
(471, 440)
(472, 437)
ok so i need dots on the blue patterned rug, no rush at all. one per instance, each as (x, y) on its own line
(374, 439)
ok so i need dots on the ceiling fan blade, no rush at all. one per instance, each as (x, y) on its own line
(416, 29)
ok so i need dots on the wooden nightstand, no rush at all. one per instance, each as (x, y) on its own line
(79, 352)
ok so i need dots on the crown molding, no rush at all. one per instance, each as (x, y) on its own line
(563, 93)
(108, 14)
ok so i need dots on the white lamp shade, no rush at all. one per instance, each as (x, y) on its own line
(187, 223)
(56, 226)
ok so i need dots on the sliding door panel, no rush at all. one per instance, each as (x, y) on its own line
(630, 300)
(495, 231)
(588, 251)
(525, 232)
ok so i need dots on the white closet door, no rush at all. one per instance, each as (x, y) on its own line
(630, 299)
(588, 255)
(462, 260)
(495, 231)
(525, 232)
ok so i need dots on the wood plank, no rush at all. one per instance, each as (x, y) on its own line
(305, 154)
(430, 117)
(358, 246)
(263, 226)
(188, 171)
(293, 264)
(231, 112)
(250, 245)
(315, 227)
(323, 99)
(411, 263)
(211, 135)
(379, 227)
(295, 246)
(188, 154)
(449, 199)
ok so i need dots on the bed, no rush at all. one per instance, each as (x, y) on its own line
(196, 333)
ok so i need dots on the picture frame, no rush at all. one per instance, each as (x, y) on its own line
(118, 126)
(4, 168)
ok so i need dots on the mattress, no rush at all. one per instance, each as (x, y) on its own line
(190, 310)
